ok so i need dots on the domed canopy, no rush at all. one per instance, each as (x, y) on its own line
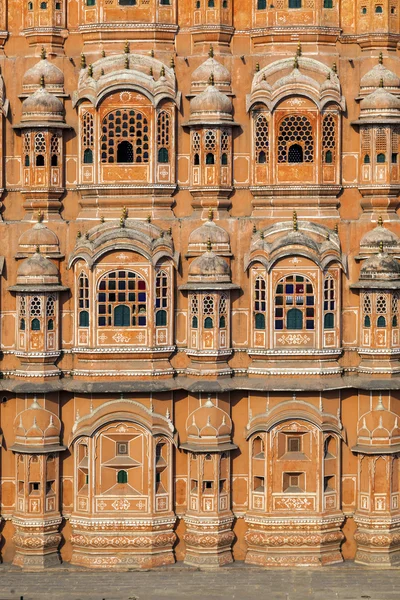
(52, 75)
(209, 232)
(42, 109)
(372, 79)
(37, 429)
(381, 267)
(211, 68)
(39, 236)
(208, 429)
(379, 107)
(37, 273)
(379, 236)
(209, 267)
(378, 429)
(211, 107)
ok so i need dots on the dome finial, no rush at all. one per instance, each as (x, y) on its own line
(83, 61)
(329, 75)
(295, 226)
(90, 70)
(336, 228)
(172, 63)
(211, 52)
(162, 71)
(209, 245)
(37, 250)
(381, 85)
(43, 53)
(380, 221)
(126, 63)
(42, 81)
(257, 67)
(127, 47)
(380, 58)
(210, 214)
(254, 228)
(334, 67)
(381, 247)
(39, 216)
(298, 52)
(296, 62)
(148, 218)
(211, 79)
(122, 222)
(103, 53)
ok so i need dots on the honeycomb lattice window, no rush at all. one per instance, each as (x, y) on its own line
(50, 306)
(222, 308)
(27, 144)
(294, 303)
(22, 306)
(210, 140)
(163, 136)
(194, 304)
(367, 304)
(122, 300)
(366, 140)
(55, 144)
(224, 141)
(40, 143)
(296, 133)
(35, 307)
(395, 307)
(262, 139)
(396, 140)
(381, 304)
(329, 138)
(196, 142)
(381, 140)
(125, 137)
(208, 305)
(87, 138)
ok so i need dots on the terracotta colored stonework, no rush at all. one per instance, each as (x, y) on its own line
(200, 291)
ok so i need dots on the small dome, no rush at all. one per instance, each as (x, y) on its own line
(209, 231)
(379, 427)
(39, 235)
(379, 235)
(37, 270)
(211, 67)
(36, 426)
(380, 100)
(380, 267)
(379, 73)
(42, 106)
(209, 424)
(53, 77)
(211, 104)
(209, 267)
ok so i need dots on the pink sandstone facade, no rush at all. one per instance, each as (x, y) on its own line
(200, 282)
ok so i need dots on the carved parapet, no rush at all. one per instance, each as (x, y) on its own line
(208, 541)
(378, 542)
(99, 544)
(36, 543)
(290, 543)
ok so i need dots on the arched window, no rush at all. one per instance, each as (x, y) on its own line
(50, 312)
(380, 158)
(294, 3)
(224, 159)
(83, 300)
(195, 322)
(90, 2)
(196, 159)
(261, 4)
(122, 477)
(127, 2)
(379, 10)
(381, 310)
(295, 131)
(294, 319)
(295, 154)
(208, 311)
(162, 298)
(208, 323)
(43, 5)
(210, 4)
(328, 3)
(261, 139)
(294, 303)
(87, 136)
(367, 321)
(55, 144)
(124, 289)
(30, 5)
(163, 135)
(381, 322)
(124, 152)
(50, 325)
(54, 160)
(125, 137)
(35, 325)
(222, 322)
(209, 158)
(40, 160)
(40, 149)
(329, 302)
(22, 324)
(367, 159)
(259, 321)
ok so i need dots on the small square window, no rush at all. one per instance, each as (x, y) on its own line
(294, 444)
(122, 448)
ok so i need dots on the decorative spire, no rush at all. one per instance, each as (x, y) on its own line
(380, 221)
(83, 61)
(90, 70)
(148, 218)
(42, 81)
(151, 71)
(172, 63)
(208, 402)
(296, 62)
(209, 245)
(162, 71)
(381, 85)
(101, 72)
(298, 52)
(170, 231)
(102, 219)
(79, 234)
(381, 247)
(328, 76)
(103, 53)
(125, 212)
(39, 216)
(126, 47)
(37, 249)
(152, 53)
(380, 406)
(295, 225)
(43, 53)
(334, 67)
(126, 63)
(210, 214)
(211, 52)
(122, 222)
(336, 229)
(254, 228)
(380, 60)
(257, 67)
(262, 235)
(211, 79)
